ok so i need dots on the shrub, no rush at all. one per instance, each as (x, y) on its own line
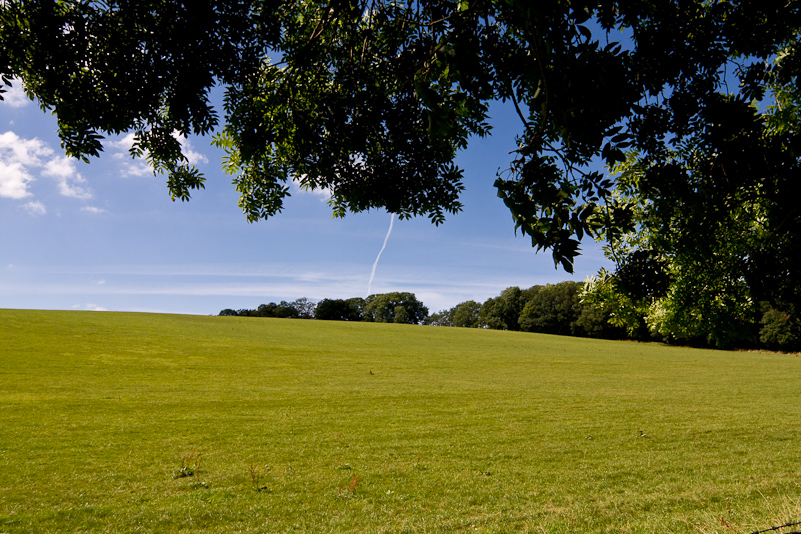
(779, 331)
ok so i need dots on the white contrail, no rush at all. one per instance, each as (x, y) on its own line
(375, 263)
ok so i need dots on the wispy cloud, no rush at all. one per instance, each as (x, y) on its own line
(93, 209)
(437, 288)
(88, 306)
(136, 168)
(35, 208)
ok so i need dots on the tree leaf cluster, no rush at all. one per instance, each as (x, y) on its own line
(371, 100)
(145, 67)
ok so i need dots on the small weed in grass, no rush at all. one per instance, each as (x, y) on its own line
(256, 473)
(190, 465)
(418, 465)
(350, 490)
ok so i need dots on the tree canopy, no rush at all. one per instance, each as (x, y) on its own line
(340, 310)
(372, 99)
(395, 307)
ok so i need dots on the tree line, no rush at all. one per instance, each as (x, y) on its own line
(597, 309)
(550, 309)
(547, 309)
(395, 307)
(590, 309)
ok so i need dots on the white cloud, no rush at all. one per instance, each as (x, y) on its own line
(138, 167)
(297, 187)
(134, 167)
(88, 306)
(14, 180)
(93, 209)
(28, 152)
(191, 155)
(63, 170)
(15, 95)
(123, 143)
(195, 157)
(19, 156)
(35, 208)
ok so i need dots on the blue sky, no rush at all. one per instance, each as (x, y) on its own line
(106, 236)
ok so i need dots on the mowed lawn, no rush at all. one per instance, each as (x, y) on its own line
(313, 426)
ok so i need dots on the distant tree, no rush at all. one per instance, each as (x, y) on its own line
(554, 309)
(266, 310)
(357, 308)
(440, 318)
(466, 314)
(338, 310)
(305, 307)
(228, 312)
(394, 307)
(592, 321)
(502, 312)
(623, 310)
(329, 310)
(401, 315)
(489, 315)
(778, 330)
(527, 295)
(287, 310)
(283, 310)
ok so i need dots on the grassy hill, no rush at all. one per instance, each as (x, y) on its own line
(313, 426)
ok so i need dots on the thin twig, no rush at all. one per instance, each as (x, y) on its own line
(777, 528)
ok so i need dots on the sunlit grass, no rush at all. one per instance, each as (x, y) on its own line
(358, 427)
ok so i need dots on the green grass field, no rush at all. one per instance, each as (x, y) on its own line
(313, 426)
